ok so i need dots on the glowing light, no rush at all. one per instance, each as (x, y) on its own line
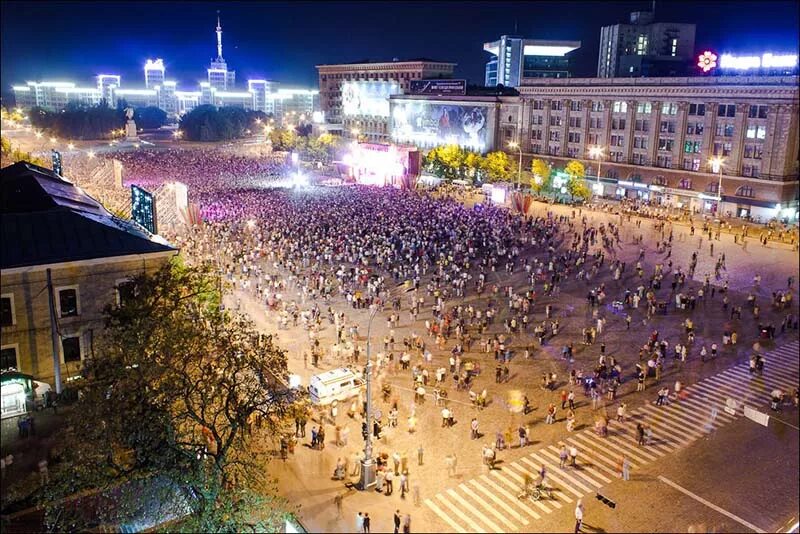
(547, 50)
(91, 154)
(158, 64)
(70, 146)
(716, 163)
(596, 151)
(38, 135)
(53, 140)
(258, 121)
(767, 60)
(707, 60)
(251, 224)
(513, 145)
(598, 189)
(300, 180)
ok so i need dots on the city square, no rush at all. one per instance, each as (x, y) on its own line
(401, 303)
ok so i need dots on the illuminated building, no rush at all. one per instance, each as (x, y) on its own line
(348, 92)
(219, 77)
(646, 48)
(107, 83)
(516, 58)
(288, 104)
(381, 164)
(658, 135)
(154, 73)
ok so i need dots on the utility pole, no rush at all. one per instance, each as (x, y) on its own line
(54, 333)
(367, 463)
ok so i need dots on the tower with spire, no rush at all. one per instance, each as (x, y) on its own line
(219, 77)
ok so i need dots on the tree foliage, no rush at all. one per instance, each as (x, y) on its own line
(10, 154)
(174, 393)
(498, 166)
(540, 181)
(79, 122)
(150, 117)
(209, 123)
(576, 185)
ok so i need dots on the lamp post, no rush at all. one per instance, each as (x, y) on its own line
(597, 152)
(367, 463)
(514, 145)
(716, 166)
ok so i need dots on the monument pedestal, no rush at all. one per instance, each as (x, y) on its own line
(130, 131)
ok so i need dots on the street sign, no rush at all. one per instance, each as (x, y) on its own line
(755, 415)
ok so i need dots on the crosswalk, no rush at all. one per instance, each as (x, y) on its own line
(489, 503)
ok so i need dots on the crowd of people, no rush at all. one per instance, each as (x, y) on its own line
(484, 282)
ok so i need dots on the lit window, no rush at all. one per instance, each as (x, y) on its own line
(68, 302)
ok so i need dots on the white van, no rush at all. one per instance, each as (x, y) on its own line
(40, 391)
(335, 385)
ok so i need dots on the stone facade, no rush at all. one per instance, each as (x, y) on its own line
(95, 282)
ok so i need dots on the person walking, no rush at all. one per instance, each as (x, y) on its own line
(407, 524)
(626, 468)
(396, 521)
(578, 515)
(359, 522)
(562, 456)
(640, 434)
(474, 428)
(338, 502)
(420, 452)
(573, 456)
(389, 482)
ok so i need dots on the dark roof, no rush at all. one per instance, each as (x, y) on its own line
(45, 219)
(393, 60)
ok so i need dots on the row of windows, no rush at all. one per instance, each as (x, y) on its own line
(73, 349)
(667, 108)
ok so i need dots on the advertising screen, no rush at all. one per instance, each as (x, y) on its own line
(368, 98)
(427, 125)
(143, 208)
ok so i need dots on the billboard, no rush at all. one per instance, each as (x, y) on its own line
(428, 125)
(438, 87)
(143, 208)
(368, 98)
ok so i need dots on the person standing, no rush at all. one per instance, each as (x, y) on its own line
(640, 434)
(420, 452)
(626, 468)
(366, 523)
(573, 456)
(338, 502)
(578, 515)
(474, 428)
(389, 482)
(407, 524)
(359, 522)
(396, 521)
(562, 456)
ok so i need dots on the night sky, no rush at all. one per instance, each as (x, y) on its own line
(283, 41)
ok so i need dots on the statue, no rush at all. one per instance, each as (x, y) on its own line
(130, 126)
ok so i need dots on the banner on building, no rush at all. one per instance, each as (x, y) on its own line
(143, 208)
(438, 87)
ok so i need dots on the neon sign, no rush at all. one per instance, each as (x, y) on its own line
(707, 61)
(767, 61)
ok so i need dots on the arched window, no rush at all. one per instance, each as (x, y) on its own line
(685, 183)
(611, 173)
(635, 177)
(712, 187)
(659, 180)
(745, 191)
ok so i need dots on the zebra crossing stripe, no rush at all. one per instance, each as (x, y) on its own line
(701, 395)
(474, 511)
(499, 502)
(635, 451)
(756, 382)
(470, 523)
(551, 502)
(722, 418)
(666, 431)
(518, 487)
(510, 498)
(596, 462)
(625, 436)
(677, 431)
(581, 470)
(675, 415)
(564, 474)
(590, 467)
(446, 518)
(742, 394)
(600, 454)
(690, 412)
(552, 473)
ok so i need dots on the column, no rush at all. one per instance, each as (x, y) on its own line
(565, 105)
(734, 164)
(680, 135)
(708, 133)
(630, 117)
(653, 133)
(548, 106)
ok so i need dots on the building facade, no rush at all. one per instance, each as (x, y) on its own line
(661, 133)
(90, 256)
(515, 58)
(645, 48)
(354, 97)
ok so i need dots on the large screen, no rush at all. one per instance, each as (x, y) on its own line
(368, 98)
(427, 125)
(143, 208)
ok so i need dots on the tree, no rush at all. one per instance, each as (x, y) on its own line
(446, 162)
(10, 154)
(474, 164)
(150, 117)
(576, 185)
(79, 122)
(541, 176)
(498, 166)
(205, 392)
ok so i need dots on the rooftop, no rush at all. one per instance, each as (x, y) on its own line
(44, 219)
(393, 60)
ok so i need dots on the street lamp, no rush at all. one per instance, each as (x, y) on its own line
(596, 152)
(716, 166)
(367, 463)
(513, 145)
(91, 154)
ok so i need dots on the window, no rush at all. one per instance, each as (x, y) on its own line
(641, 125)
(726, 110)
(753, 151)
(694, 128)
(667, 126)
(7, 315)
(538, 104)
(697, 109)
(595, 122)
(639, 142)
(692, 147)
(557, 105)
(615, 156)
(536, 148)
(593, 139)
(664, 161)
(618, 124)
(617, 140)
(597, 105)
(747, 170)
(644, 107)
(555, 136)
(72, 348)
(639, 159)
(574, 137)
(536, 134)
(620, 106)
(674, 50)
(758, 112)
(68, 301)
(641, 45)
(8, 358)
(575, 122)
(555, 120)
(125, 291)
(727, 148)
(666, 144)
(572, 151)
(728, 130)
(712, 187)
(576, 105)
(669, 108)
(745, 191)
(756, 132)
(555, 150)
(685, 183)
(659, 180)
